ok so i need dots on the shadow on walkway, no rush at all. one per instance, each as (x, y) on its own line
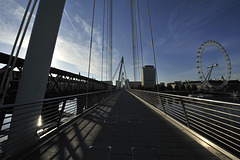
(122, 129)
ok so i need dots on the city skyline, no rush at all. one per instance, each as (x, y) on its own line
(179, 29)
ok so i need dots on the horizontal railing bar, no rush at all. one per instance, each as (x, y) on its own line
(54, 112)
(176, 111)
(192, 98)
(213, 132)
(180, 118)
(216, 138)
(214, 110)
(209, 110)
(214, 105)
(6, 123)
(214, 115)
(179, 105)
(216, 121)
(179, 109)
(50, 99)
(214, 128)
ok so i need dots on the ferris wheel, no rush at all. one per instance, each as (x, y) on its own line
(205, 78)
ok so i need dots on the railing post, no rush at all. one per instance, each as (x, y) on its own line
(185, 113)
(2, 116)
(61, 113)
(80, 104)
(164, 109)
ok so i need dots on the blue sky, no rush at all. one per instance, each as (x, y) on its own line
(179, 28)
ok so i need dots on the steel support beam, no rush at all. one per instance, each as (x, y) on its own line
(33, 80)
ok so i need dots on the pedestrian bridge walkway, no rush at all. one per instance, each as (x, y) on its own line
(123, 128)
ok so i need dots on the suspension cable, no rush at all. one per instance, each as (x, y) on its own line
(107, 49)
(133, 40)
(110, 37)
(125, 71)
(140, 34)
(149, 18)
(70, 21)
(90, 53)
(136, 37)
(116, 70)
(13, 49)
(103, 39)
(7, 73)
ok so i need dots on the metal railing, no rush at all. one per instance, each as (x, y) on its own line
(54, 114)
(215, 120)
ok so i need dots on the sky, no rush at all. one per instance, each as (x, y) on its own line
(179, 28)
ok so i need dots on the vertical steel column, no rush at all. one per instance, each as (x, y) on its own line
(164, 109)
(185, 113)
(61, 113)
(33, 81)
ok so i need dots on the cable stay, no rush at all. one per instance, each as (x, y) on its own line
(116, 71)
(133, 39)
(110, 38)
(140, 34)
(120, 71)
(126, 79)
(7, 77)
(107, 41)
(153, 49)
(121, 78)
(90, 52)
(125, 71)
(103, 38)
(136, 40)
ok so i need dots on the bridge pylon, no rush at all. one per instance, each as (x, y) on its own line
(34, 77)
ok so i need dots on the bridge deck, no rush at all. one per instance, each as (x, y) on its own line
(122, 128)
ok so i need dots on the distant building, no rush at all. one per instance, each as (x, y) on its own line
(134, 84)
(233, 85)
(174, 84)
(161, 84)
(193, 83)
(148, 76)
(197, 84)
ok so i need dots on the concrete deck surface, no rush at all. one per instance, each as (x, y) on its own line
(122, 129)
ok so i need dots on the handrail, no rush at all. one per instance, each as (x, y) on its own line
(193, 98)
(50, 99)
(215, 120)
(53, 114)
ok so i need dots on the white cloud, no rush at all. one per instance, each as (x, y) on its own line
(68, 49)
(70, 21)
(10, 19)
(77, 52)
(83, 23)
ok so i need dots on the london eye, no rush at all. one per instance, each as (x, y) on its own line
(213, 65)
